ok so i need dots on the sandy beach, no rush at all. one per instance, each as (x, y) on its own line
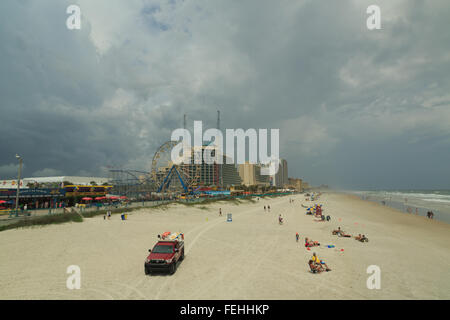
(252, 257)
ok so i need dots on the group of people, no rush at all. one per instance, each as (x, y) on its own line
(361, 238)
(316, 265)
(430, 214)
(107, 215)
(341, 233)
(267, 208)
(310, 243)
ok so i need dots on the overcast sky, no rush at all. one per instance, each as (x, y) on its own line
(356, 108)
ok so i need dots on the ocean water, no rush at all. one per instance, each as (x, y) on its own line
(412, 201)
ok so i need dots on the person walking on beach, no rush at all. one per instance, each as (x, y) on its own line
(109, 215)
(297, 236)
(264, 208)
(220, 212)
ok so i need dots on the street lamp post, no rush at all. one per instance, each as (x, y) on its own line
(18, 183)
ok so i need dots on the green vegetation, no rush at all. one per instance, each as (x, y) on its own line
(43, 220)
(71, 217)
(78, 217)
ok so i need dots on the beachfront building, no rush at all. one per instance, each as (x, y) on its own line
(251, 175)
(283, 173)
(222, 175)
(229, 175)
(26, 183)
(280, 179)
(46, 192)
(295, 183)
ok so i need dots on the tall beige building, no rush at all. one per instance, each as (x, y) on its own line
(247, 174)
(251, 175)
(297, 184)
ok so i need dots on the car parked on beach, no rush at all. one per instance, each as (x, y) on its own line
(166, 253)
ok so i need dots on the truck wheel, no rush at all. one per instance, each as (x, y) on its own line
(182, 256)
(147, 271)
(173, 267)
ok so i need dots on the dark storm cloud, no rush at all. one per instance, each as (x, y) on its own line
(355, 108)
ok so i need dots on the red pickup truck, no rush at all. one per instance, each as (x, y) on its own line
(166, 254)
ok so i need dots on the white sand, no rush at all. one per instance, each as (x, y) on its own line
(252, 257)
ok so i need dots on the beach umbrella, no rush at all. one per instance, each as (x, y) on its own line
(2, 201)
(86, 199)
(114, 198)
(100, 198)
(123, 197)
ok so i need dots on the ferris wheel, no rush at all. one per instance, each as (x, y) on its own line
(168, 176)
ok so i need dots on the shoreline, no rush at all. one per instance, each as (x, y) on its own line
(396, 210)
(441, 211)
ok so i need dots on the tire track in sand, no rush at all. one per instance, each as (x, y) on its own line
(191, 244)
